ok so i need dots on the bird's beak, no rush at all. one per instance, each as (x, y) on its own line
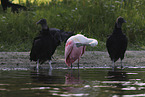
(125, 21)
(37, 22)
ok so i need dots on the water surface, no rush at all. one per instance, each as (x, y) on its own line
(90, 82)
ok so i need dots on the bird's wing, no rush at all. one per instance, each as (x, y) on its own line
(34, 49)
(68, 49)
(124, 43)
(84, 48)
(109, 45)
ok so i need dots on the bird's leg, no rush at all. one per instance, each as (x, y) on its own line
(113, 65)
(78, 75)
(53, 58)
(50, 72)
(78, 65)
(121, 65)
(37, 64)
(71, 66)
(50, 64)
(37, 67)
(78, 70)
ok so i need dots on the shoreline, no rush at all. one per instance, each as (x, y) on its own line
(91, 59)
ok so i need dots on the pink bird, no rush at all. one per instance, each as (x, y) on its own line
(75, 48)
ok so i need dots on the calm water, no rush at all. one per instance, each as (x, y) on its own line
(64, 83)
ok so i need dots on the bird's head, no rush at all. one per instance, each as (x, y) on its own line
(66, 35)
(62, 36)
(58, 39)
(119, 21)
(43, 23)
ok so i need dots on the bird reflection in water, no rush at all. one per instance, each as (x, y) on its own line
(57, 76)
(117, 75)
(116, 79)
(43, 68)
(43, 76)
(72, 79)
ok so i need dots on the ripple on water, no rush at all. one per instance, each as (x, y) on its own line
(66, 83)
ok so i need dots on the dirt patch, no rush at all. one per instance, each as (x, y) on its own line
(89, 59)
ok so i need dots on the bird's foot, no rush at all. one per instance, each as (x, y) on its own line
(122, 67)
(50, 72)
(37, 67)
(50, 68)
(114, 68)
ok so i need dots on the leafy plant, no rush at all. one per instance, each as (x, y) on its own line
(93, 18)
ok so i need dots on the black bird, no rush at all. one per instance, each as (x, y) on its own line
(45, 44)
(14, 7)
(63, 34)
(117, 42)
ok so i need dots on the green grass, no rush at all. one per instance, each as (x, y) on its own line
(93, 18)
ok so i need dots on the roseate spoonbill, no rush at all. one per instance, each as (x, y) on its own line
(117, 42)
(44, 45)
(75, 48)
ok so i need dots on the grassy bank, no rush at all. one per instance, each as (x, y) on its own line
(93, 18)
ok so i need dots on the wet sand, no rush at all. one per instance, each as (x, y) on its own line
(89, 59)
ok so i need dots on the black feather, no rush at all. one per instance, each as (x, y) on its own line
(14, 7)
(45, 44)
(43, 47)
(117, 42)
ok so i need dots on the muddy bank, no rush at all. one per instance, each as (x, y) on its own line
(89, 59)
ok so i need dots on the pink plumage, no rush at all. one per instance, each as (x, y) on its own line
(72, 53)
(75, 48)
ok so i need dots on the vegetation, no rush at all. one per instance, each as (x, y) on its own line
(93, 18)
